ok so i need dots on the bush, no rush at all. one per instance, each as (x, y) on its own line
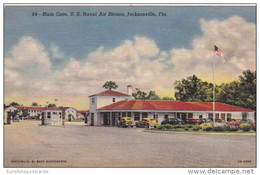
(168, 126)
(219, 128)
(178, 126)
(232, 128)
(253, 127)
(245, 126)
(186, 127)
(206, 126)
(195, 127)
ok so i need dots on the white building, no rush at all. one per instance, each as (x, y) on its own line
(108, 106)
(33, 111)
(53, 116)
(70, 113)
(104, 98)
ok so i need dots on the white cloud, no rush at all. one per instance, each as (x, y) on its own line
(139, 62)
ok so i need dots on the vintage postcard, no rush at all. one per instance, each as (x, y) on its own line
(130, 85)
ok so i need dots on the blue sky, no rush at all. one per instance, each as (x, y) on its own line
(59, 57)
(77, 36)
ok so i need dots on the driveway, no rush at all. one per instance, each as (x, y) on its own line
(27, 144)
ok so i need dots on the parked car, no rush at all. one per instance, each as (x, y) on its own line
(173, 121)
(205, 120)
(125, 122)
(234, 122)
(220, 121)
(193, 121)
(146, 122)
(16, 118)
(247, 121)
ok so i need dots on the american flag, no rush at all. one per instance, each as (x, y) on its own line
(217, 51)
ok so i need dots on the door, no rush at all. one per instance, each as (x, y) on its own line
(183, 116)
(92, 119)
(106, 119)
(113, 119)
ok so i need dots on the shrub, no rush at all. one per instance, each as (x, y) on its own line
(186, 127)
(168, 126)
(245, 126)
(160, 127)
(232, 128)
(189, 126)
(253, 127)
(219, 128)
(179, 126)
(206, 126)
(195, 127)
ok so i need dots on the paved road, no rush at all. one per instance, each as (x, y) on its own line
(86, 146)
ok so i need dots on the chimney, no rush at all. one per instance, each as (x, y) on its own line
(129, 90)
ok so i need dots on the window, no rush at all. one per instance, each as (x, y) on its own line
(178, 115)
(144, 115)
(190, 115)
(200, 116)
(223, 116)
(129, 114)
(210, 116)
(244, 115)
(49, 115)
(93, 100)
(136, 116)
(217, 115)
(54, 112)
(166, 116)
(114, 99)
(123, 114)
(228, 116)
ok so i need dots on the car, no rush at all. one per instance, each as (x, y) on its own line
(172, 121)
(205, 120)
(234, 122)
(220, 120)
(146, 122)
(16, 118)
(247, 121)
(125, 122)
(193, 121)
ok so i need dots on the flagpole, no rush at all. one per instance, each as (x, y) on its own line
(213, 104)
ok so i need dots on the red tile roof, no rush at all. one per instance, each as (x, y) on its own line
(30, 107)
(109, 93)
(171, 106)
(53, 109)
(83, 111)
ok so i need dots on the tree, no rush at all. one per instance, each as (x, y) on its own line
(168, 98)
(14, 104)
(141, 95)
(241, 92)
(193, 89)
(110, 85)
(51, 105)
(34, 104)
(152, 96)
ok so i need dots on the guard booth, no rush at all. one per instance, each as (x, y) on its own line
(52, 117)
